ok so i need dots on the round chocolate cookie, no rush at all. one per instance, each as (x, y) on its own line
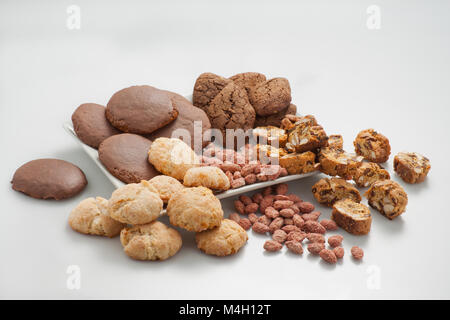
(90, 124)
(140, 109)
(230, 109)
(207, 87)
(275, 119)
(125, 157)
(49, 179)
(184, 123)
(271, 96)
(248, 80)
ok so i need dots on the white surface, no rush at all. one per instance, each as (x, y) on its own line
(395, 79)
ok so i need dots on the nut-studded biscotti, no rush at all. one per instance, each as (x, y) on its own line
(306, 135)
(412, 167)
(337, 162)
(369, 172)
(289, 120)
(270, 135)
(268, 154)
(353, 217)
(388, 197)
(327, 191)
(297, 163)
(335, 141)
(372, 145)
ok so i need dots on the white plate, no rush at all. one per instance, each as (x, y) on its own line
(93, 153)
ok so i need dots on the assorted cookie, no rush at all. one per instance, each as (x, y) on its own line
(412, 167)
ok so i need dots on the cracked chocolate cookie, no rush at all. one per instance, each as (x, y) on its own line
(207, 87)
(412, 167)
(248, 80)
(327, 191)
(388, 197)
(372, 145)
(271, 96)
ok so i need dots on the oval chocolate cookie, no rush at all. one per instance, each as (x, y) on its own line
(49, 179)
(270, 97)
(90, 124)
(125, 157)
(207, 87)
(140, 109)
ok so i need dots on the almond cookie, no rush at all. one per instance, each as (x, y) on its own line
(230, 109)
(276, 118)
(306, 135)
(267, 154)
(327, 191)
(151, 241)
(335, 141)
(353, 217)
(270, 135)
(165, 186)
(412, 167)
(195, 209)
(135, 203)
(368, 172)
(209, 177)
(337, 162)
(388, 197)
(224, 240)
(207, 87)
(372, 145)
(90, 216)
(297, 163)
(172, 157)
(271, 96)
(140, 109)
(248, 80)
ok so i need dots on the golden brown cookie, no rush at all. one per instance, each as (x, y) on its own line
(195, 209)
(91, 216)
(172, 157)
(412, 167)
(306, 135)
(165, 186)
(372, 145)
(209, 177)
(248, 80)
(337, 162)
(271, 96)
(224, 240)
(353, 217)
(207, 87)
(297, 163)
(276, 118)
(327, 191)
(388, 197)
(366, 173)
(270, 135)
(135, 203)
(151, 241)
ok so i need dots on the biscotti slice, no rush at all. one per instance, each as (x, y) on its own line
(369, 172)
(337, 162)
(306, 135)
(372, 145)
(327, 191)
(335, 141)
(297, 163)
(412, 167)
(388, 197)
(268, 154)
(353, 217)
(270, 135)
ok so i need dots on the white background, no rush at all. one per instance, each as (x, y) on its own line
(395, 80)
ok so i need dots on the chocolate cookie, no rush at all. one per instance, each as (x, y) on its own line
(140, 109)
(188, 113)
(125, 157)
(90, 124)
(49, 179)
(207, 87)
(275, 119)
(248, 80)
(271, 96)
(230, 109)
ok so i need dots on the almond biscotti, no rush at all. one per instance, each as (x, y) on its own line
(327, 191)
(388, 197)
(353, 217)
(369, 172)
(337, 162)
(372, 145)
(297, 163)
(412, 167)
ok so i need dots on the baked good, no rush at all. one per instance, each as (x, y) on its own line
(230, 109)
(327, 191)
(276, 118)
(91, 216)
(353, 217)
(267, 154)
(135, 203)
(289, 120)
(90, 124)
(412, 167)
(337, 162)
(297, 163)
(248, 80)
(151, 241)
(172, 157)
(195, 209)
(140, 109)
(207, 87)
(165, 186)
(192, 124)
(367, 173)
(373, 146)
(49, 179)
(270, 135)
(335, 141)
(271, 96)
(125, 157)
(388, 197)
(224, 240)
(306, 135)
(209, 177)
